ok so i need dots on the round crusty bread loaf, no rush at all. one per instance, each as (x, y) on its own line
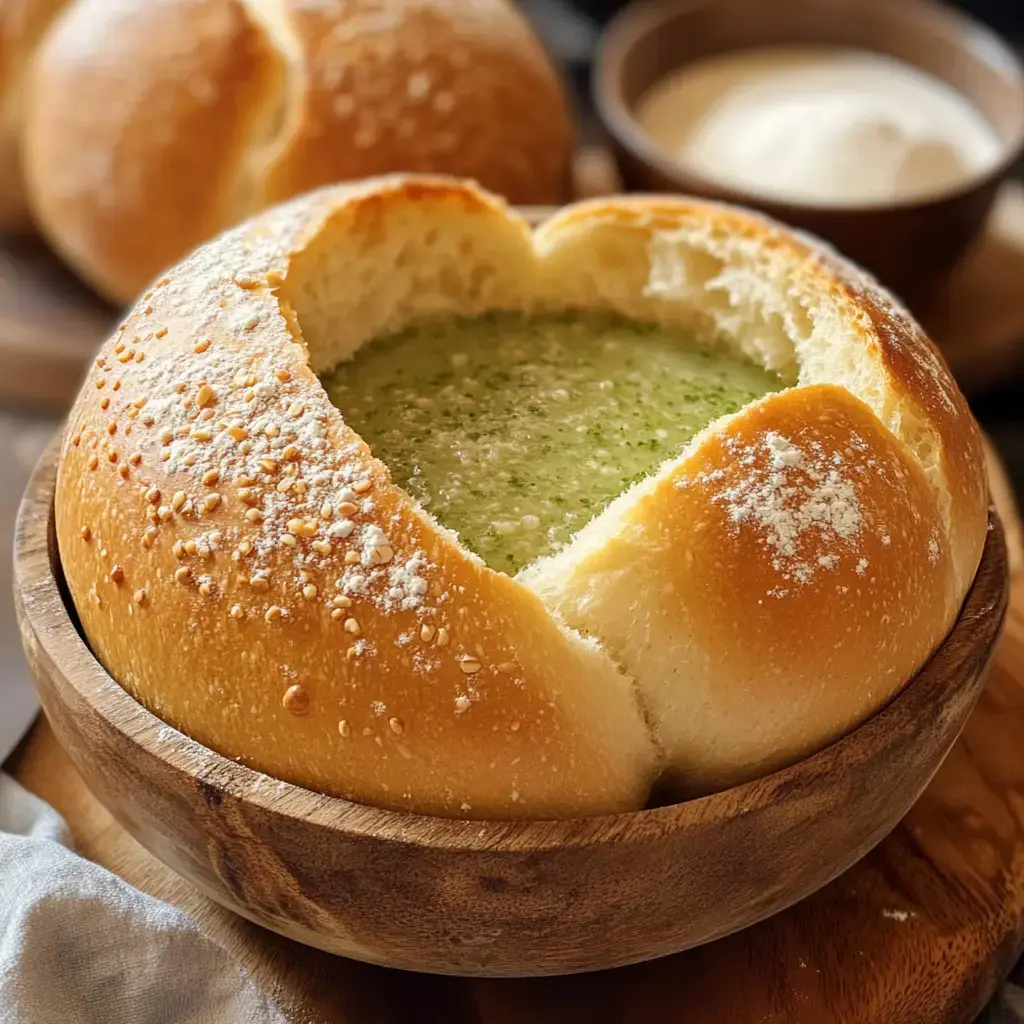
(245, 568)
(22, 23)
(152, 126)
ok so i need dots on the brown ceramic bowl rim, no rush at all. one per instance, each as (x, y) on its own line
(640, 17)
(44, 606)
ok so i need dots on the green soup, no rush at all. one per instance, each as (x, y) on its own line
(516, 430)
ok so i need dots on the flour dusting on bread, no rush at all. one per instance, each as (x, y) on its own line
(785, 491)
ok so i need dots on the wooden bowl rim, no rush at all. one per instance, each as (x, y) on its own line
(42, 603)
(642, 17)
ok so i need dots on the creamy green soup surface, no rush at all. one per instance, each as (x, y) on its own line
(515, 430)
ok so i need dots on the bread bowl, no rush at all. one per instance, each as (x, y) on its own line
(149, 127)
(711, 624)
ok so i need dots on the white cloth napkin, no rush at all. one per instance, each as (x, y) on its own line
(80, 946)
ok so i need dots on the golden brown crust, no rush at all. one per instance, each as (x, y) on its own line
(918, 373)
(246, 569)
(152, 126)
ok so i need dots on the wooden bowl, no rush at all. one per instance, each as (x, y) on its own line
(907, 244)
(490, 898)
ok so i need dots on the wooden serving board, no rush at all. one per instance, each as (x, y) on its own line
(50, 323)
(919, 932)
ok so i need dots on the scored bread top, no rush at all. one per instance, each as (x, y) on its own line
(246, 569)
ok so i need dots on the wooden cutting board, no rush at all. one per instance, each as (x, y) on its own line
(919, 932)
(50, 324)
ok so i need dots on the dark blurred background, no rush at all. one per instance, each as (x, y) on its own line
(570, 28)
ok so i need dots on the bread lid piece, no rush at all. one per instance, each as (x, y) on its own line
(245, 568)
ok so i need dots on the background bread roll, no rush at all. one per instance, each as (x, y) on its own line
(151, 126)
(22, 23)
